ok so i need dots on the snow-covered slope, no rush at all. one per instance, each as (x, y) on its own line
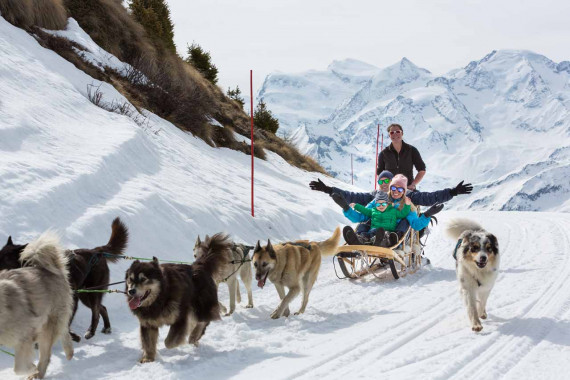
(502, 120)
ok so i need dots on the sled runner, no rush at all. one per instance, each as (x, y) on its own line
(359, 260)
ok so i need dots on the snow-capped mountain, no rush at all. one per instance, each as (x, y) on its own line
(502, 122)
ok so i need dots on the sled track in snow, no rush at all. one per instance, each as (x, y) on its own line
(490, 355)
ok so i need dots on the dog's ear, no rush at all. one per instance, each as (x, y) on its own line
(206, 238)
(257, 247)
(466, 236)
(198, 241)
(494, 243)
(270, 250)
(155, 260)
(9, 241)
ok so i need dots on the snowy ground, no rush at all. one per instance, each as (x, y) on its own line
(412, 328)
(69, 165)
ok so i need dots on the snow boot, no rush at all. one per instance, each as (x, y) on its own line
(380, 232)
(392, 239)
(350, 236)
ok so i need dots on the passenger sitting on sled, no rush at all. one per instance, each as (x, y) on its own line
(395, 194)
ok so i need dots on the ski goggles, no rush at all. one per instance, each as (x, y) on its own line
(386, 181)
(396, 132)
(399, 189)
(381, 204)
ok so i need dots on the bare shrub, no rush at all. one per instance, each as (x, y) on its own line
(95, 95)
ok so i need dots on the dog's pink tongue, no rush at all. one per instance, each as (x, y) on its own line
(261, 283)
(134, 302)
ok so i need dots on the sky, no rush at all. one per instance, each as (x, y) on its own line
(299, 35)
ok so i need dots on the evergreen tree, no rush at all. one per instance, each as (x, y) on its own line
(202, 61)
(236, 95)
(263, 118)
(154, 16)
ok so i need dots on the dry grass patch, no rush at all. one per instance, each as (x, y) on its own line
(48, 14)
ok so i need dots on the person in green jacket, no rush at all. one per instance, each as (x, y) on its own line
(384, 219)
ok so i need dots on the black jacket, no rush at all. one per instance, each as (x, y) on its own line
(419, 198)
(401, 163)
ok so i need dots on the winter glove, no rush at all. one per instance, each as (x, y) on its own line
(433, 210)
(339, 200)
(320, 186)
(461, 189)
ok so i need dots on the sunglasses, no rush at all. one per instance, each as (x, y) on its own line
(386, 181)
(382, 204)
(395, 132)
(399, 189)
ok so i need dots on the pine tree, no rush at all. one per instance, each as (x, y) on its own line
(236, 95)
(263, 118)
(154, 16)
(202, 61)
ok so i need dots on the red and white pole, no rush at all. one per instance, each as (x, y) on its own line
(376, 167)
(251, 112)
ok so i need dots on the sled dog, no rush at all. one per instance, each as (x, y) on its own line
(182, 296)
(294, 265)
(36, 305)
(477, 255)
(87, 268)
(235, 261)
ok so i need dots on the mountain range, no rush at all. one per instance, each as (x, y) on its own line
(501, 122)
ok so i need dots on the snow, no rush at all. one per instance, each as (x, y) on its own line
(69, 165)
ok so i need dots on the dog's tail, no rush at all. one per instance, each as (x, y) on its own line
(458, 225)
(117, 242)
(217, 249)
(328, 247)
(46, 252)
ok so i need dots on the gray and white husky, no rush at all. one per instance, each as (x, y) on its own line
(36, 304)
(236, 262)
(477, 255)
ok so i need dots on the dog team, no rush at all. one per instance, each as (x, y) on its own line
(39, 280)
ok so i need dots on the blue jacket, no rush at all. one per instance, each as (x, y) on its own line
(416, 222)
(419, 198)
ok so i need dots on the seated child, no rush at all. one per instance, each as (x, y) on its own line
(383, 217)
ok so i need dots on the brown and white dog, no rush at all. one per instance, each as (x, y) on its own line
(477, 255)
(181, 296)
(293, 265)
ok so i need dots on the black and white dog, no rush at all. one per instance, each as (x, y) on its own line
(477, 255)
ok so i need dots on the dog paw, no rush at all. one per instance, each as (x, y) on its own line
(286, 312)
(107, 330)
(483, 315)
(35, 375)
(88, 335)
(69, 356)
(249, 306)
(275, 314)
(477, 328)
(146, 359)
(299, 312)
(74, 337)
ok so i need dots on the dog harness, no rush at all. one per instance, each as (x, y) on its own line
(456, 248)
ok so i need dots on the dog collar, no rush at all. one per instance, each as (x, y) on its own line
(456, 248)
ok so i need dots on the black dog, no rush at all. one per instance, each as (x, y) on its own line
(87, 268)
(185, 297)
